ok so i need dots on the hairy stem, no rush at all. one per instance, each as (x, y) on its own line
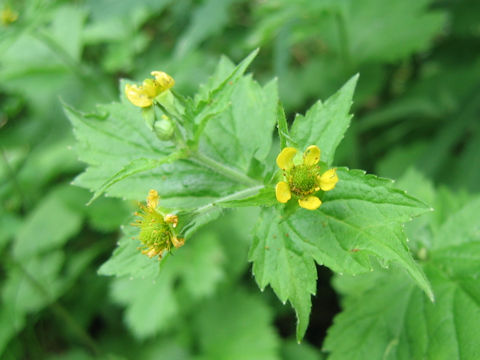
(222, 169)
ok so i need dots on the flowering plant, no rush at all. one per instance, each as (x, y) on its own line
(219, 153)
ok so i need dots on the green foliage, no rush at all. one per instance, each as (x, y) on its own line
(387, 317)
(325, 124)
(363, 215)
(222, 332)
(73, 282)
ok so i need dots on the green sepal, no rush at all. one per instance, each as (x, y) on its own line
(148, 114)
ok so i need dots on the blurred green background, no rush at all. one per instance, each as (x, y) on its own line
(417, 105)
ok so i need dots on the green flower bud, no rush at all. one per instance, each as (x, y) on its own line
(164, 128)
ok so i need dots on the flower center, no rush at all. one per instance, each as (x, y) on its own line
(303, 179)
(154, 230)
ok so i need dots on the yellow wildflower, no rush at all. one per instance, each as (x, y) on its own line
(8, 16)
(305, 179)
(157, 232)
(144, 94)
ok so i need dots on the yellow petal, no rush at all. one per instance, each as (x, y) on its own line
(152, 199)
(328, 180)
(150, 88)
(136, 96)
(311, 156)
(310, 202)
(285, 158)
(282, 192)
(164, 80)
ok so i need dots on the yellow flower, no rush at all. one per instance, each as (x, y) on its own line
(144, 94)
(157, 232)
(305, 179)
(8, 16)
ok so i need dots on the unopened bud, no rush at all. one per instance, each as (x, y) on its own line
(164, 128)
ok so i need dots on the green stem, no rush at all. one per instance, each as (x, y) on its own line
(221, 169)
(242, 194)
(282, 126)
(179, 136)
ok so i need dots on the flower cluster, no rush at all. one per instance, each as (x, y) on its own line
(144, 94)
(157, 230)
(304, 179)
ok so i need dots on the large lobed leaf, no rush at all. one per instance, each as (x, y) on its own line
(389, 318)
(126, 159)
(361, 218)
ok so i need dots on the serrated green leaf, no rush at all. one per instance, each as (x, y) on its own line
(391, 319)
(325, 124)
(132, 168)
(122, 152)
(111, 144)
(280, 261)
(361, 217)
(244, 130)
(217, 98)
(127, 260)
(223, 70)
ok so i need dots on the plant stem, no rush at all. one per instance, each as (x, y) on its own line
(242, 194)
(221, 169)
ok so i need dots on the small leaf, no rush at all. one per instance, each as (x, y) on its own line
(244, 129)
(325, 124)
